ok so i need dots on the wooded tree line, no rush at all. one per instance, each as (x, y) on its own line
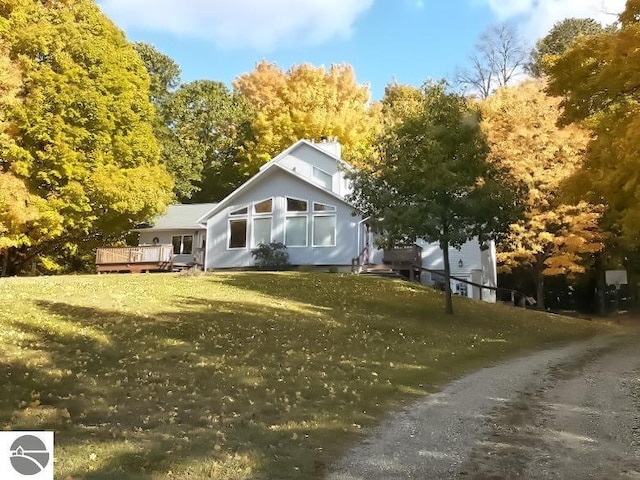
(98, 134)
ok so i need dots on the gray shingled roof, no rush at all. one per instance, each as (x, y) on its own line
(183, 216)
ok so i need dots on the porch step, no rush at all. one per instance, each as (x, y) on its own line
(380, 271)
(179, 267)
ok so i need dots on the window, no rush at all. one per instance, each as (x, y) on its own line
(323, 178)
(238, 233)
(321, 207)
(176, 240)
(187, 244)
(261, 230)
(240, 211)
(324, 231)
(182, 244)
(266, 206)
(295, 231)
(296, 205)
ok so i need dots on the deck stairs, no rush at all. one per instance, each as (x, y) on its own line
(379, 271)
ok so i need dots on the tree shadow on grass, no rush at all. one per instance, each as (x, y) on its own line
(355, 300)
(215, 389)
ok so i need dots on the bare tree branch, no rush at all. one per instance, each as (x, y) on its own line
(499, 58)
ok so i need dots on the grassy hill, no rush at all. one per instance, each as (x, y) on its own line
(239, 375)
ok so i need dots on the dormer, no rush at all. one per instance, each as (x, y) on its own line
(318, 162)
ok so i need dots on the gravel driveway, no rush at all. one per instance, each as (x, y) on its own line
(568, 413)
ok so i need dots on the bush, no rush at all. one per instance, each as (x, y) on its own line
(271, 256)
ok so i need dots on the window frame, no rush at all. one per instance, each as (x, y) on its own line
(181, 249)
(238, 212)
(332, 208)
(269, 217)
(335, 230)
(317, 181)
(182, 244)
(306, 237)
(270, 212)
(246, 233)
(174, 244)
(293, 212)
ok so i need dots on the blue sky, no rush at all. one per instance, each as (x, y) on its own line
(406, 40)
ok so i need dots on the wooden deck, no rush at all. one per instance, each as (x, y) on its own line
(405, 260)
(135, 259)
(403, 256)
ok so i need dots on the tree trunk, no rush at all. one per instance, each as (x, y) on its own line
(448, 309)
(5, 264)
(540, 292)
(539, 279)
(601, 286)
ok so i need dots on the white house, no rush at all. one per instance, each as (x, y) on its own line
(299, 199)
(179, 227)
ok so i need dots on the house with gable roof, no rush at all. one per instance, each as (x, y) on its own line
(179, 227)
(299, 198)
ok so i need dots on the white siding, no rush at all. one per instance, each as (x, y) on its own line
(333, 147)
(164, 238)
(469, 253)
(303, 159)
(477, 266)
(278, 184)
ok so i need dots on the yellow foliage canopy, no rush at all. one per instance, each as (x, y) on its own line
(309, 102)
(554, 236)
(84, 107)
(598, 80)
(24, 218)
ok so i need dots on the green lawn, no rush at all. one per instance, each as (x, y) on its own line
(233, 376)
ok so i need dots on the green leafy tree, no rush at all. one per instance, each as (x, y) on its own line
(433, 180)
(83, 131)
(201, 128)
(164, 73)
(559, 39)
(209, 125)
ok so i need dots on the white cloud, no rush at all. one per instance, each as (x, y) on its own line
(259, 24)
(536, 17)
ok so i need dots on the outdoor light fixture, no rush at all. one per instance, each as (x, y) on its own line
(460, 264)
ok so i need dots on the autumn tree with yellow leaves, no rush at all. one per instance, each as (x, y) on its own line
(598, 80)
(555, 237)
(82, 154)
(23, 216)
(308, 102)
